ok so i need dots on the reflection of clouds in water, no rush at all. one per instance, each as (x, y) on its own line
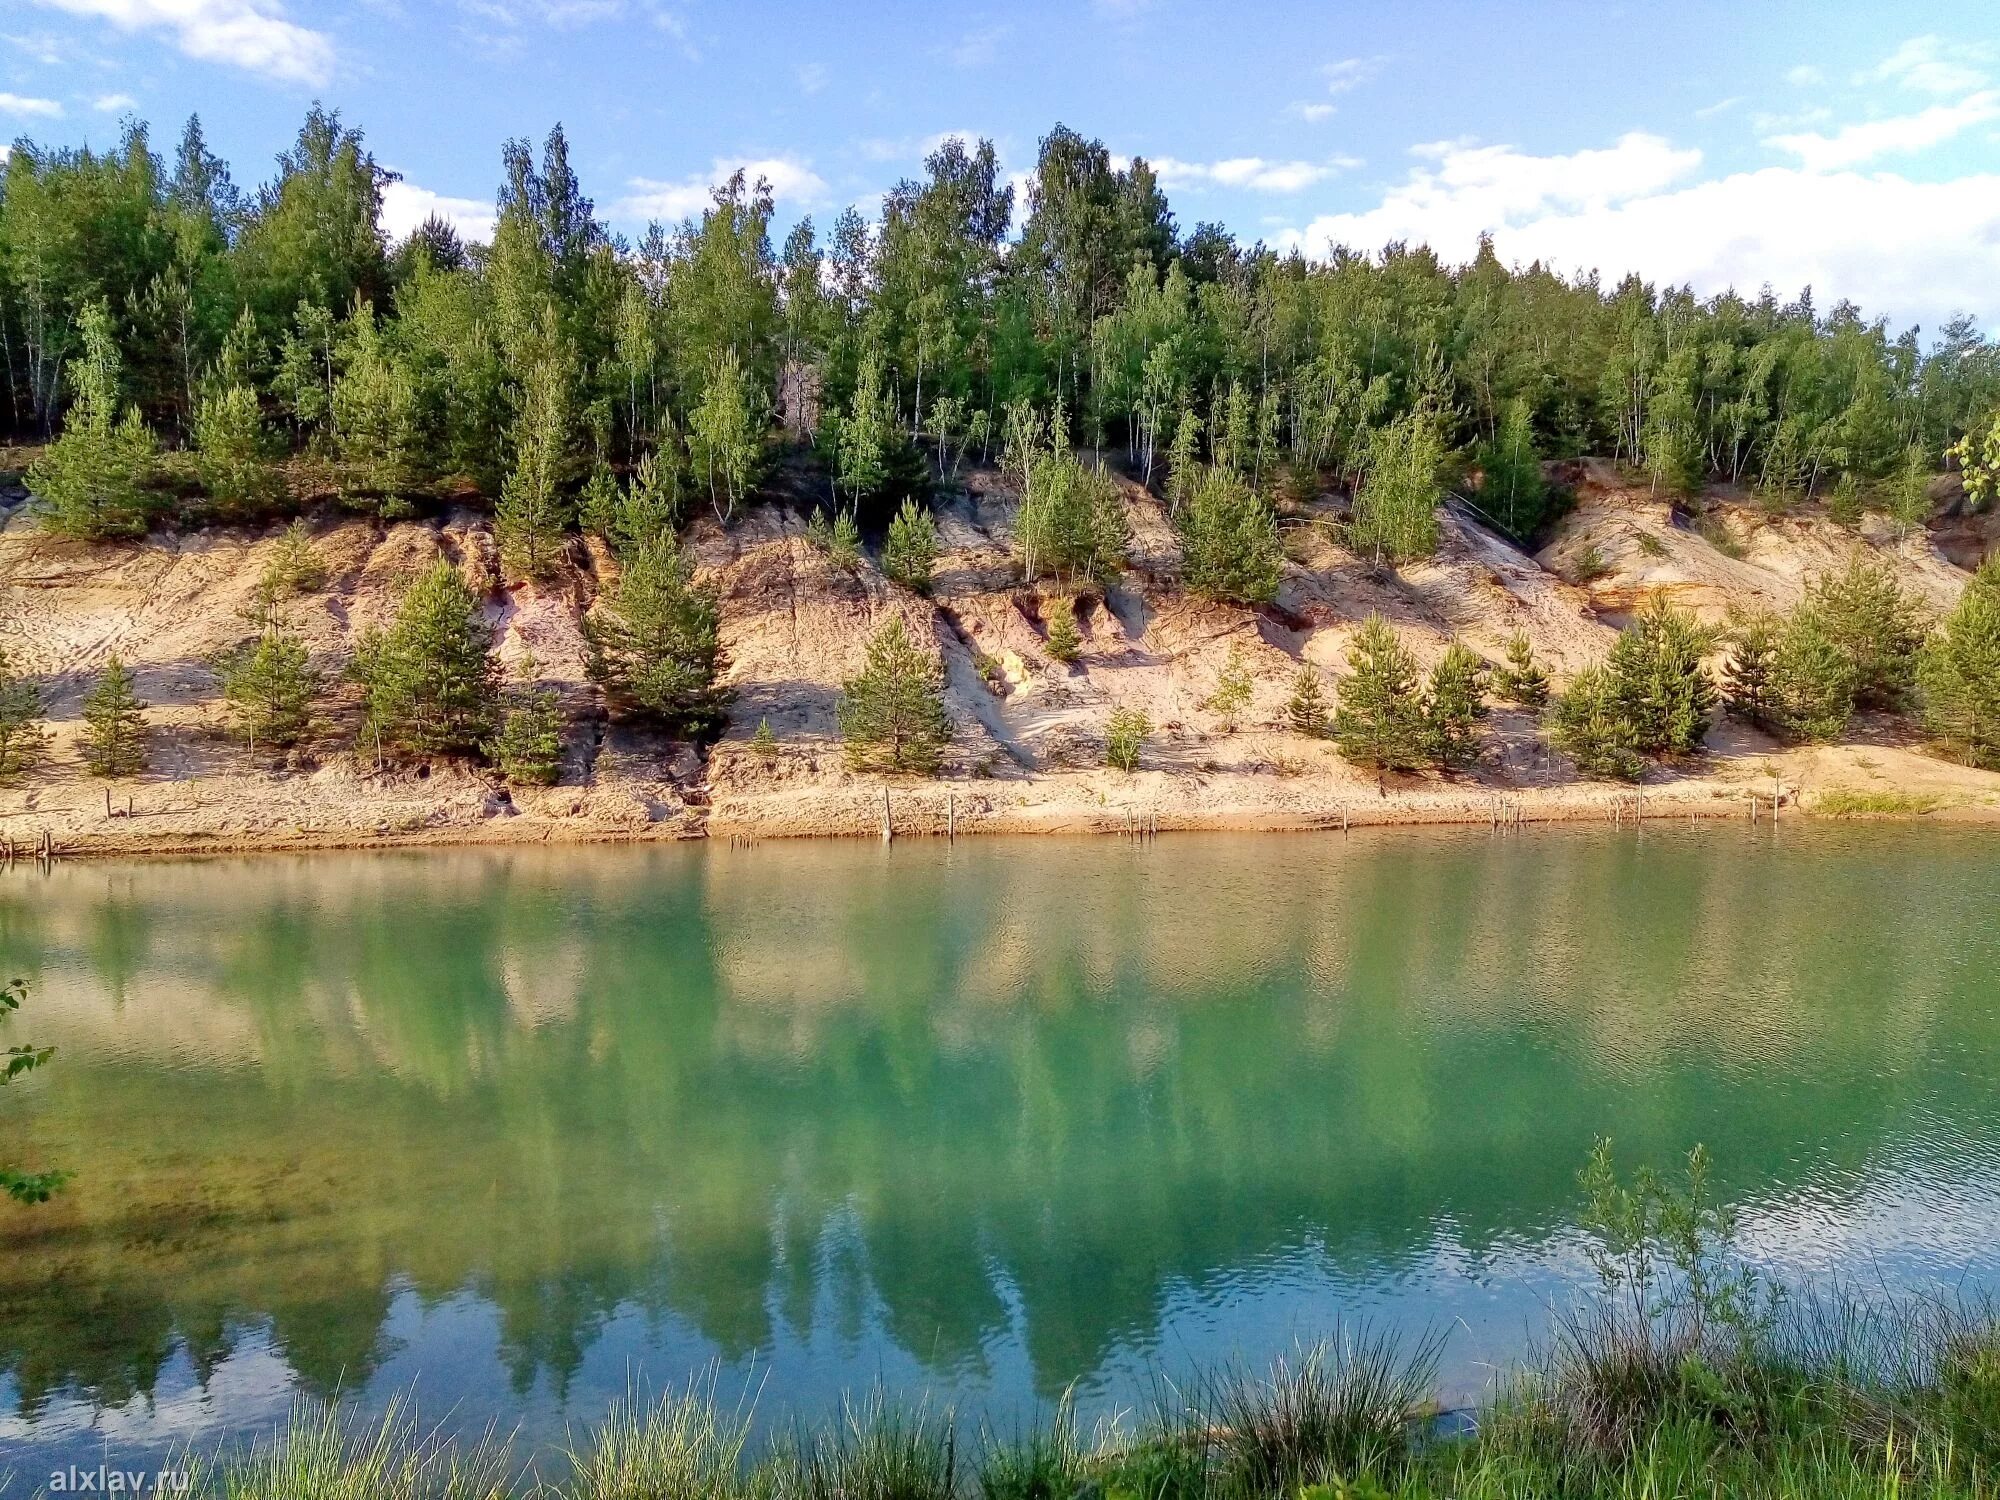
(989, 1117)
(252, 1385)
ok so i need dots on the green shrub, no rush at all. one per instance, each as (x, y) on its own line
(429, 680)
(1959, 675)
(1124, 737)
(114, 725)
(891, 714)
(656, 641)
(1229, 539)
(909, 554)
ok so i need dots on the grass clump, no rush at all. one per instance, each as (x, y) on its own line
(1850, 802)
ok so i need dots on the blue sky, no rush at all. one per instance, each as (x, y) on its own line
(1848, 144)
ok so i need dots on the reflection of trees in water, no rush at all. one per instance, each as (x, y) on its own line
(801, 1084)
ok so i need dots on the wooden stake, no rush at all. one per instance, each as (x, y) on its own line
(950, 816)
(888, 832)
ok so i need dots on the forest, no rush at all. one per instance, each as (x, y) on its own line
(180, 351)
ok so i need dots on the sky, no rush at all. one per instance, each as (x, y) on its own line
(1849, 145)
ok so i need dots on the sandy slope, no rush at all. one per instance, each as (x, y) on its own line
(1028, 730)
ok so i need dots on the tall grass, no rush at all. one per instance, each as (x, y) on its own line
(1832, 1395)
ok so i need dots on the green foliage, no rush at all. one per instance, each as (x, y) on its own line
(1658, 682)
(232, 453)
(1454, 707)
(1977, 454)
(529, 748)
(22, 736)
(1511, 490)
(295, 566)
(1395, 510)
(872, 452)
(1229, 539)
(90, 481)
(1750, 676)
(1843, 505)
(1909, 497)
(114, 725)
(909, 555)
(1588, 723)
(381, 439)
(1306, 708)
(839, 538)
(1071, 524)
(1379, 719)
(534, 512)
(1064, 640)
(1813, 678)
(15, 1062)
(1958, 679)
(891, 713)
(429, 681)
(656, 641)
(726, 434)
(1125, 737)
(269, 686)
(644, 512)
(1231, 693)
(764, 744)
(1877, 626)
(1521, 680)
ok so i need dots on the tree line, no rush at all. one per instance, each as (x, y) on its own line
(215, 352)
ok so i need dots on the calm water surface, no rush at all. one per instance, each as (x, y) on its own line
(517, 1130)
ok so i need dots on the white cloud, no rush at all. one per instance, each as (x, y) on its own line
(1853, 144)
(1312, 114)
(977, 48)
(1804, 76)
(1720, 107)
(1921, 64)
(557, 13)
(1251, 173)
(791, 181)
(22, 104)
(1906, 250)
(249, 34)
(111, 104)
(1350, 73)
(405, 206)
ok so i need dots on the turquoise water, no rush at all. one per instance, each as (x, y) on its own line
(517, 1130)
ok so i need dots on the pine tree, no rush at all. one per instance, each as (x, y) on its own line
(89, 481)
(429, 679)
(114, 725)
(1071, 524)
(295, 566)
(1124, 738)
(533, 512)
(1307, 708)
(1229, 540)
(909, 556)
(232, 453)
(1958, 680)
(22, 737)
(1065, 641)
(764, 744)
(1878, 626)
(1522, 680)
(1812, 677)
(529, 748)
(1453, 707)
(1232, 691)
(1379, 720)
(1588, 724)
(892, 714)
(1662, 689)
(656, 641)
(1749, 680)
(269, 687)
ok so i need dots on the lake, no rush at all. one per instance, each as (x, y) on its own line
(518, 1131)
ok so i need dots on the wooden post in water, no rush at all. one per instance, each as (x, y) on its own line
(950, 816)
(888, 831)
